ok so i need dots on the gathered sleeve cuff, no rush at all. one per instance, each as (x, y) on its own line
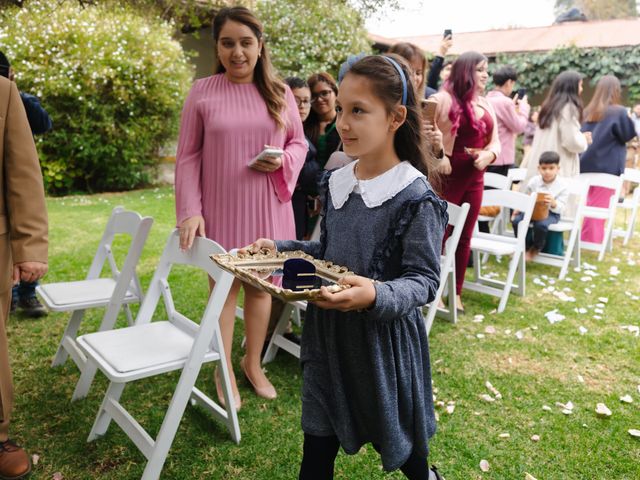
(188, 174)
(418, 283)
(295, 151)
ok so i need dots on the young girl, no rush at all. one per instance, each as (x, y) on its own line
(365, 355)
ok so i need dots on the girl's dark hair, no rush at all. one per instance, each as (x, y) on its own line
(608, 93)
(411, 52)
(409, 142)
(271, 89)
(564, 90)
(461, 85)
(312, 123)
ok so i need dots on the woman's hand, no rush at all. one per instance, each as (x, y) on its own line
(188, 229)
(483, 158)
(444, 166)
(433, 136)
(588, 137)
(258, 245)
(268, 164)
(361, 295)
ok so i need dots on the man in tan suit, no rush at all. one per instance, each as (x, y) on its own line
(23, 245)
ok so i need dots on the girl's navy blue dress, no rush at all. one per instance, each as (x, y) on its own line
(366, 375)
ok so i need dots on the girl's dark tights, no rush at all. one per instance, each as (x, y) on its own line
(319, 455)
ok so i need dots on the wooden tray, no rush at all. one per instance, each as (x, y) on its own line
(257, 269)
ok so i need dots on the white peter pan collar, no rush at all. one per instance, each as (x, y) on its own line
(375, 191)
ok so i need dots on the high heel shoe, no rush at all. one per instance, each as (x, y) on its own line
(236, 396)
(268, 392)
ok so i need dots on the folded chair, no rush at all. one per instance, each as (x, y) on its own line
(608, 214)
(457, 217)
(502, 245)
(121, 288)
(149, 348)
(578, 190)
(630, 206)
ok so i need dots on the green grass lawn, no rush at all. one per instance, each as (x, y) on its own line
(550, 363)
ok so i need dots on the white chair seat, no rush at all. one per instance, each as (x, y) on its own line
(561, 226)
(136, 348)
(494, 247)
(88, 293)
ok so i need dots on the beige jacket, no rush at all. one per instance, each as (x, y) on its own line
(23, 212)
(564, 137)
(444, 123)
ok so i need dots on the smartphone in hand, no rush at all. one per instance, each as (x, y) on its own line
(267, 152)
(429, 106)
(448, 33)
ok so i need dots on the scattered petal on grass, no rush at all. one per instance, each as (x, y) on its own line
(535, 438)
(580, 379)
(634, 433)
(450, 409)
(603, 299)
(484, 465)
(614, 270)
(57, 476)
(602, 410)
(519, 334)
(35, 458)
(600, 305)
(493, 390)
(626, 399)
(635, 329)
(478, 318)
(528, 476)
(504, 435)
(546, 408)
(566, 411)
(587, 290)
(480, 335)
(487, 398)
(490, 329)
(598, 310)
(554, 317)
(582, 330)
(597, 317)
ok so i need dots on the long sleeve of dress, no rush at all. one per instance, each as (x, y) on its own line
(571, 138)
(434, 72)
(309, 247)
(295, 150)
(188, 182)
(421, 247)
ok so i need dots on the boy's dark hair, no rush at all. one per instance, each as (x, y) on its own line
(296, 82)
(549, 158)
(504, 74)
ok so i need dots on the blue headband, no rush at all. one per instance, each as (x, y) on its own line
(402, 77)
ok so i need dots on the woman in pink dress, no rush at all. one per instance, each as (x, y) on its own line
(227, 120)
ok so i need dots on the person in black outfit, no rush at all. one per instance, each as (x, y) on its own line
(440, 68)
(24, 293)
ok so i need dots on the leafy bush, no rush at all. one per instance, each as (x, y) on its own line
(308, 36)
(112, 81)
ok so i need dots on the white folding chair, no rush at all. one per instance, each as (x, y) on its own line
(630, 206)
(499, 182)
(517, 174)
(457, 218)
(122, 288)
(578, 190)
(501, 245)
(149, 348)
(608, 214)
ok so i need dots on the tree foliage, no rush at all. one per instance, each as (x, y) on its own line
(536, 71)
(112, 81)
(317, 37)
(600, 9)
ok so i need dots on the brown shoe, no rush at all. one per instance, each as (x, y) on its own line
(14, 461)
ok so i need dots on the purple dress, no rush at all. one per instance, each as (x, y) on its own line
(224, 125)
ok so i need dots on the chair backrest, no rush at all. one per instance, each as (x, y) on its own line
(516, 201)
(632, 175)
(457, 218)
(606, 180)
(517, 174)
(197, 256)
(495, 180)
(578, 192)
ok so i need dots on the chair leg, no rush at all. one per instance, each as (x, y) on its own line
(130, 319)
(513, 267)
(103, 419)
(71, 331)
(85, 381)
(281, 326)
(451, 301)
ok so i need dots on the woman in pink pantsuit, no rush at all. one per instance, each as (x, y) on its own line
(227, 120)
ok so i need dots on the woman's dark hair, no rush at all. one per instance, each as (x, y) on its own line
(270, 87)
(296, 82)
(504, 74)
(564, 90)
(312, 123)
(409, 142)
(411, 52)
(461, 85)
(608, 93)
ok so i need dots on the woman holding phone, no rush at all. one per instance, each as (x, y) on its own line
(222, 191)
(470, 130)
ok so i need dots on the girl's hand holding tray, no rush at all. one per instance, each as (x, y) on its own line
(360, 296)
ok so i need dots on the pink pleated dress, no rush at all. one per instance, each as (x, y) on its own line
(224, 125)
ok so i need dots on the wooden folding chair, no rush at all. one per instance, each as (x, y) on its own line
(578, 190)
(149, 348)
(122, 288)
(630, 206)
(457, 218)
(608, 214)
(502, 245)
